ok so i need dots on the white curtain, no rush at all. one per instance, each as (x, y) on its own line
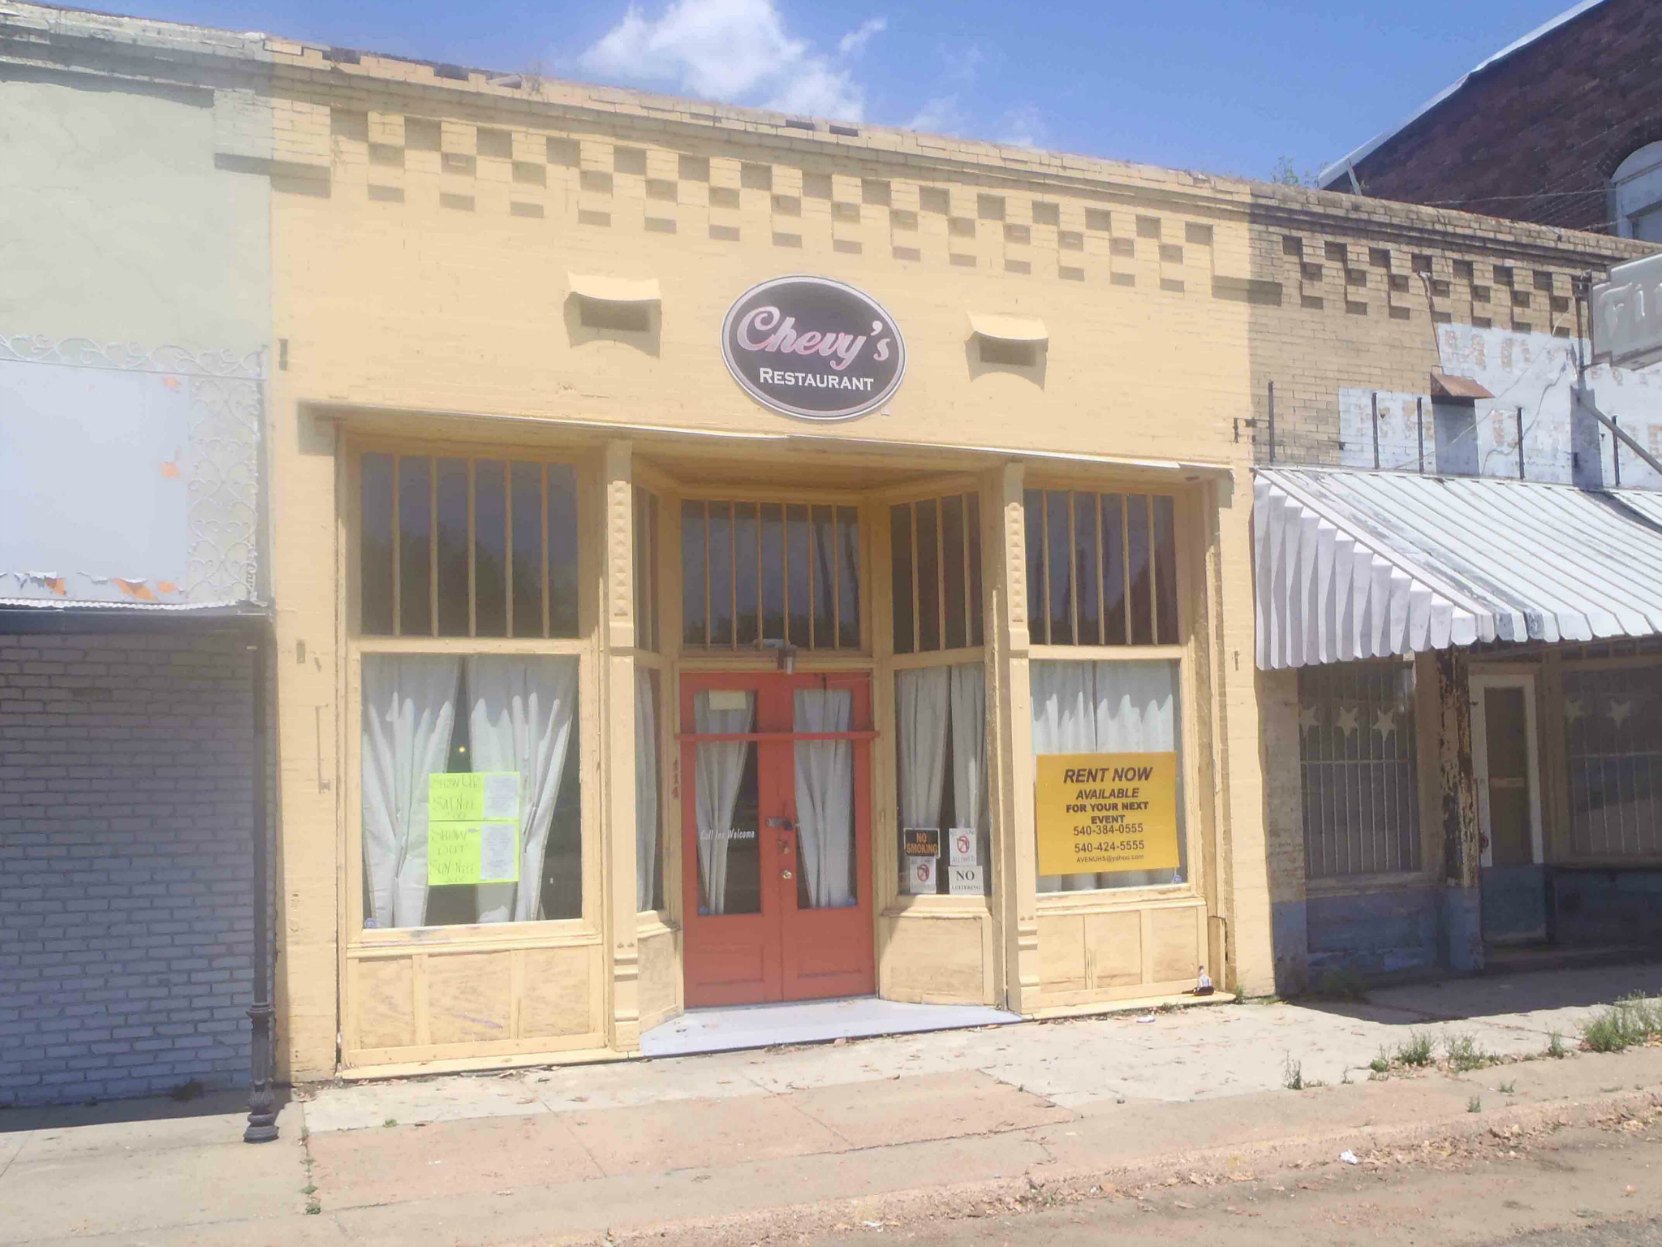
(969, 755)
(922, 698)
(1106, 707)
(646, 789)
(408, 712)
(520, 719)
(720, 771)
(825, 796)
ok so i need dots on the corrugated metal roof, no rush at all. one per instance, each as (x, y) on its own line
(1328, 176)
(1370, 564)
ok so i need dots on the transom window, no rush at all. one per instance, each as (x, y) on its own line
(466, 547)
(935, 548)
(1101, 568)
(758, 574)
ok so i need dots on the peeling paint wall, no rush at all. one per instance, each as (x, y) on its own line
(134, 326)
(1532, 371)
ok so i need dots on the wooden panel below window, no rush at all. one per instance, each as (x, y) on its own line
(660, 977)
(559, 996)
(461, 1005)
(937, 959)
(385, 995)
(1120, 953)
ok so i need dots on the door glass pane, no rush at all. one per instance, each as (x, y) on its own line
(415, 549)
(1506, 733)
(727, 805)
(825, 801)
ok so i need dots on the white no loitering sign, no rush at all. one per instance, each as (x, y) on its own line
(1627, 314)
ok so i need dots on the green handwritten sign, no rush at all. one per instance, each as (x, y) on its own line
(472, 853)
(473, 828)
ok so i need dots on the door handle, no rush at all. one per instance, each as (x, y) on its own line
(785, 874)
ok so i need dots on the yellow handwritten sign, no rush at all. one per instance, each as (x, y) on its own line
(1102, 812)
(473, 828)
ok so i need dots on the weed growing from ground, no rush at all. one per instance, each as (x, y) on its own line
(1465, 1055)
(1555, 1047)
(1474, 1105)
(1632, 1020)
(1417, 1052)
(1292, 1074)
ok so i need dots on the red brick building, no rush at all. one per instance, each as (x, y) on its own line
(1562, 127)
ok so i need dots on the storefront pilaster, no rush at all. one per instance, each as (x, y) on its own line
(617, 731)
(1010, 728)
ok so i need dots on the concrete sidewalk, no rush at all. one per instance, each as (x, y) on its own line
(735, 1145)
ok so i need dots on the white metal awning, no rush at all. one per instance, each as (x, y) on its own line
(1369, 564)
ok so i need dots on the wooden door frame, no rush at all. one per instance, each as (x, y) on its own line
(1481, 684)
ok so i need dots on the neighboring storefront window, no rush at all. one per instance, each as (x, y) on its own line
(461, 547)
(1101, 568)
(935, 562)
(1356, 756)
(1122, 714)
(761, 574)
(941, 735)
(440, 850)
(1613, 738)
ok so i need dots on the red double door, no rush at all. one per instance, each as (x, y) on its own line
(776, 826)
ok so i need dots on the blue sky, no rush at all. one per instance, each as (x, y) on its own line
(1227, 86)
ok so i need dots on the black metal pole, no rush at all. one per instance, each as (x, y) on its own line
(1376, 430)
(1419, 426)
(1520, 445)
(1272, 422)
(1616, 452)
(262, 1103)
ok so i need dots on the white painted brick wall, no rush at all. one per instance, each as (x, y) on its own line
(125, 864)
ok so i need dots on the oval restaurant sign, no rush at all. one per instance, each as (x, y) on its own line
(813, 347)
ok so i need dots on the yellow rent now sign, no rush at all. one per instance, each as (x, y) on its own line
(1102, 812)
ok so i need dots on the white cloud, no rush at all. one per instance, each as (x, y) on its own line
(1024, 126)
(734, 50)
(856, 39)
(941, 114)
